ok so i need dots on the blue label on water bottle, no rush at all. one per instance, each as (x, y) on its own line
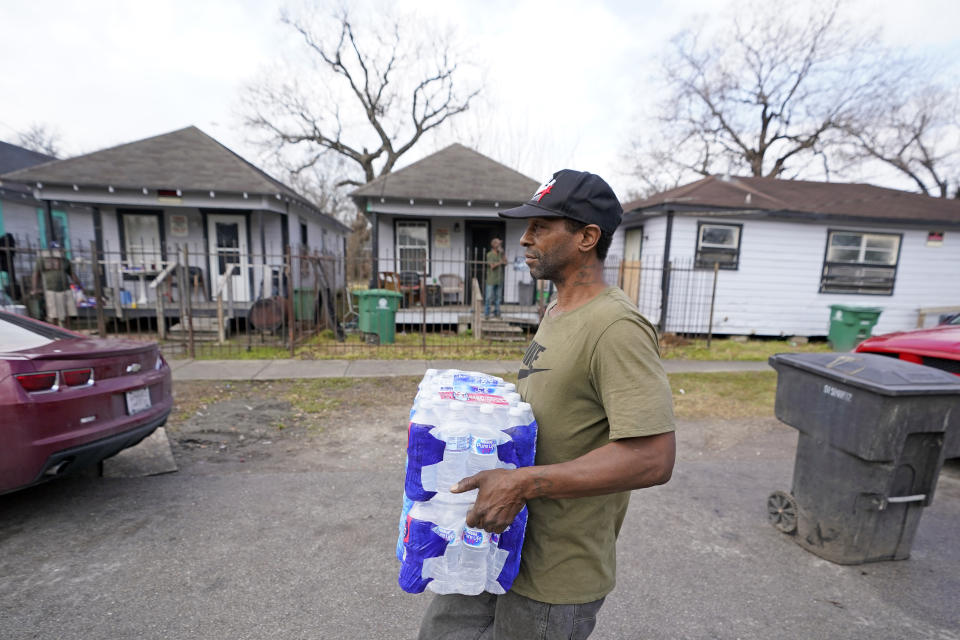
(449, 535)
(485, 446)
(473, 537)
(494, 538)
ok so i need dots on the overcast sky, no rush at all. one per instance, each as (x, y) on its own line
(571, 77)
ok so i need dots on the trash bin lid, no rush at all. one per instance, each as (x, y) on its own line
(846, 307)
(880, 374)
(377, 292)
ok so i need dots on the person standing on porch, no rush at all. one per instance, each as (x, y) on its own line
(54, 272)
(493, 278)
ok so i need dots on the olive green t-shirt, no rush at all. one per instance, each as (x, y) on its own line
(494, 274)
(592, 375)
(54, 270)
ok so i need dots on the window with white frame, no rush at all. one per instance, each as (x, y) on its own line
(718, 244)
(860, 262)
(141, 240)
(413, 245)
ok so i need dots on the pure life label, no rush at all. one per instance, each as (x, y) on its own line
(840, 394)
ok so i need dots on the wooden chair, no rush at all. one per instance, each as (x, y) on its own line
(451, 285)
(409, 282)
(388, 280)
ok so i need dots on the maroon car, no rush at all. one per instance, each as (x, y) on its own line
(69, 401)
(938, 347)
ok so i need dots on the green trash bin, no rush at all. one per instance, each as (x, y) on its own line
(378, 312)
(849, 326)
(304, 305)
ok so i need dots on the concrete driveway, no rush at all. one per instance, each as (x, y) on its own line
(256, 552)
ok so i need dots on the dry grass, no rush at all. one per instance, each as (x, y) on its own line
(723, 395)
(674, 348)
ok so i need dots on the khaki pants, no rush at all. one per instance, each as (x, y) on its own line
(60, 304)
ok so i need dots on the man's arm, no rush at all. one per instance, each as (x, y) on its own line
(621, 465)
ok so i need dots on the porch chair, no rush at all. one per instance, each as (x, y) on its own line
(451, 285)
(409, 282)
(388, 280)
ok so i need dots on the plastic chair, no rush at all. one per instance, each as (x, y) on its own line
(451, 285)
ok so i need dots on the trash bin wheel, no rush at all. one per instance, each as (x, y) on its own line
(782, 511)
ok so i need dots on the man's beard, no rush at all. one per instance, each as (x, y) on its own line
(546, 267)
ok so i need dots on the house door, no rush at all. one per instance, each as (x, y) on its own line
(630, 266)
(478, 234)
(227, 235)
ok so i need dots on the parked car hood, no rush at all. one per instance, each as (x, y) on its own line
(938, 341)
(82, 348)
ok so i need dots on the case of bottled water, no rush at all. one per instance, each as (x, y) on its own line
(461, 423)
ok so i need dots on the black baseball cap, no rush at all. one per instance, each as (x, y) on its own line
(577, 195)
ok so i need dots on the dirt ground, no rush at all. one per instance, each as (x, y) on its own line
(296, 425)
(360, 423)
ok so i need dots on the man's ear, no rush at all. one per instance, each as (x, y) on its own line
(589, 238)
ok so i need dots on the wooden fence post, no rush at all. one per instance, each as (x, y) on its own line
(289, 270)
(191, 346)
(98, 290)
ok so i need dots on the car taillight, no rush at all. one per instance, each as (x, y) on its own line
(34, 382)
(77, 377)
(909, 357)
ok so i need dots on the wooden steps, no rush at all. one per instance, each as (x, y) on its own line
(500, 330)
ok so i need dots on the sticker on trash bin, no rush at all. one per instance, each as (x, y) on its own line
(382, 303)
(840, 394)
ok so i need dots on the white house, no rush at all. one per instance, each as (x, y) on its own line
(787, 250)
(139, 204)
(437, 216)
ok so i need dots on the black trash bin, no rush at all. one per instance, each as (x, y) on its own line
(872, 433)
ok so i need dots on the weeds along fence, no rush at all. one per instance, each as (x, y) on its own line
(231, 303)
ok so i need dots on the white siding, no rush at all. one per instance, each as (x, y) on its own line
(452, 259)
(20, 219)
(775, 290)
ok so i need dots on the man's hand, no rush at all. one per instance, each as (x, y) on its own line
(499, 500)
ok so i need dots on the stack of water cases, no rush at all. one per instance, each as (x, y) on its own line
(462, 422)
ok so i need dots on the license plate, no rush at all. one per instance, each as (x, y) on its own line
(138, 400)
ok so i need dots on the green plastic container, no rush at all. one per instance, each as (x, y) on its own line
(849, 326)
(378, 313)
(304, 305)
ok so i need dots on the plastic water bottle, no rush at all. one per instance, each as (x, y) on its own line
(485, 436)
(455, 433)
(496, 559)
(473, 560)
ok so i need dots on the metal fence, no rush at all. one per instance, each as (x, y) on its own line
(298, 303)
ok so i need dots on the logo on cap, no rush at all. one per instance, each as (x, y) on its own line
(543, 190)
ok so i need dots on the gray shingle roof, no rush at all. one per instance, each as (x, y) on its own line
(456, 173)
(13, 157)
(804, 197)
(185, 159)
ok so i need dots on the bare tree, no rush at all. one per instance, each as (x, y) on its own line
(766, 93)
(41, 138)
(918, 134)
(372, 95)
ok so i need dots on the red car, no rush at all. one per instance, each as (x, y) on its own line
(938, 347)
(69, 401)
